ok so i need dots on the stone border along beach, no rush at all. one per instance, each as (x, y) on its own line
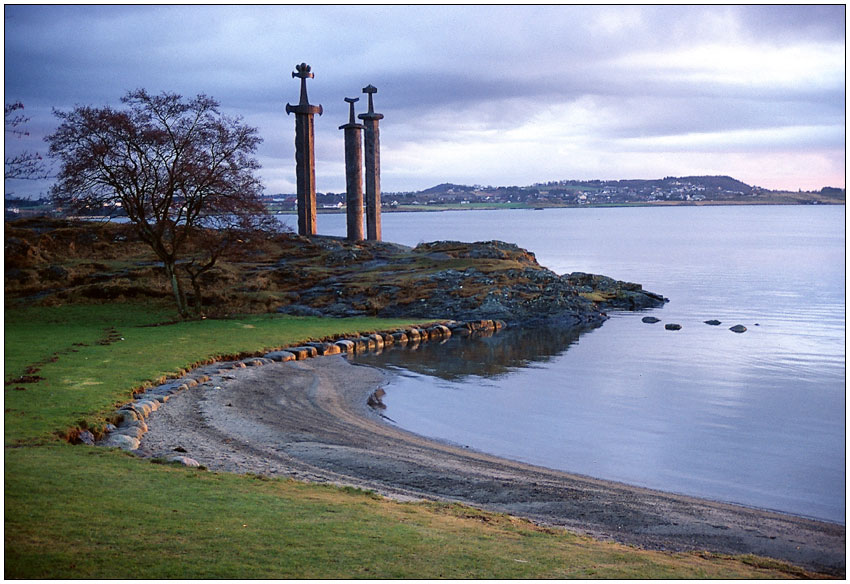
(290, 415)
(130, 417)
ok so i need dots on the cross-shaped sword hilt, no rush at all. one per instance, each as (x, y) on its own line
(303, 71)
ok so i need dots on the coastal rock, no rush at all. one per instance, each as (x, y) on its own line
(302, 353)
(413, 335)
(126, 415)
(280, 356)
(439, 332)
(133, 431)
(738, 328)
(374, 400)
(158, 397)
(325, 348)
(672, 326)
(361, 344)
(185, 461)
(134, 411)
(149, 404)
(345, 346)
(122, 441)
(713, 322)
(134, 423)
(400, 338)
(368, 343)
(650, 319)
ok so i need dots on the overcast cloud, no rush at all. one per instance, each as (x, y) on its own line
(498, 95)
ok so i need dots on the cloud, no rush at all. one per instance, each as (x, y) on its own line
(490, 94)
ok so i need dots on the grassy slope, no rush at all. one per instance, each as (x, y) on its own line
(78, 511)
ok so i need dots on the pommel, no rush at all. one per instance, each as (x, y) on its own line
(303, 71)
(370, 89)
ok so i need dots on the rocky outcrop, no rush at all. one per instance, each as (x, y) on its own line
(68, 261)
(455, 280)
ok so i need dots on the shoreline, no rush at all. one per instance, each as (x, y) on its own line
(309, 420)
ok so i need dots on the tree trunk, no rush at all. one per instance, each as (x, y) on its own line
(175, 287)
(196, 287)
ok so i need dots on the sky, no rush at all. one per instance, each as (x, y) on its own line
(493, 95)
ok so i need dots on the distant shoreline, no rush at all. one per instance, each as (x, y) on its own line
(520, 207)
(505, 206)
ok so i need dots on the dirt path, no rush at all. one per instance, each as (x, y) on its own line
(309, 420)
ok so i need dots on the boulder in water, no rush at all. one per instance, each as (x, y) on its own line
(713, 322)
(650, 319)
(672, 326)
(738, 328)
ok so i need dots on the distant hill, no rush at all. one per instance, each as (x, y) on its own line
(668, 190)
(713, 183)
(723, 183)
(447, 188)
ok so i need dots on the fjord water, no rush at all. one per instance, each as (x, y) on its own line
(756, 418)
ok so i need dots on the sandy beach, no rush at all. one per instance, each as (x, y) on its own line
(309, 420)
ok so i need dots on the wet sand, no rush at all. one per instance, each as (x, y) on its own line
(309, 420)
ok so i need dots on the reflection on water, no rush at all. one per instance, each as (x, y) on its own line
(482, 355)
(609, 403)
(754, 418)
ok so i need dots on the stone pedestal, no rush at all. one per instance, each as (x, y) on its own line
(305, 163)
(372, 155)
(353, 174)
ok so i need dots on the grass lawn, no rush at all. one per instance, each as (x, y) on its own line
(90, 512)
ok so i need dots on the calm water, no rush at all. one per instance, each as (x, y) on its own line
(755, 418)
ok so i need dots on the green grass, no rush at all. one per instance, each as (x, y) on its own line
(85, 379)
(89, 512)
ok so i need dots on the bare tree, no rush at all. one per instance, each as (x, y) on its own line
(25, 165)
(241, 229)
(174, 166)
